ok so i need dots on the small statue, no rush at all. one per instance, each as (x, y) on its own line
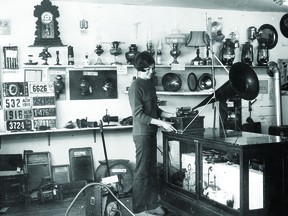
(45, 55)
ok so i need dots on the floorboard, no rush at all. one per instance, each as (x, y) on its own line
(50, 208)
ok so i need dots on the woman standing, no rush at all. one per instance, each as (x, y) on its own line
(146, 120)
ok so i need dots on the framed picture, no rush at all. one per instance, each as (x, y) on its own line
(32, 75)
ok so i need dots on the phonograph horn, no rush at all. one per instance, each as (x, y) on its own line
(243, 81)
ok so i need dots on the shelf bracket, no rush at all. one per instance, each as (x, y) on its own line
(49, 138)
(94, 135)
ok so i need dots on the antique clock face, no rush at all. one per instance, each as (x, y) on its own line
(47, 30)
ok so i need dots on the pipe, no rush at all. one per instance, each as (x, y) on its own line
(273, 71)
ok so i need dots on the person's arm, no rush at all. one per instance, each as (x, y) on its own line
(166, 125)
(165, 114)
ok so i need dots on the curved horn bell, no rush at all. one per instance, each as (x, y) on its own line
(243, 81)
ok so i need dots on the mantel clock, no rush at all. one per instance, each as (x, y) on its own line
(47, 33)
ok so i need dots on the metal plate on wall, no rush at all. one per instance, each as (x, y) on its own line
(93, 84)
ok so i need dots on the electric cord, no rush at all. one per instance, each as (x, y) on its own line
(93, 184)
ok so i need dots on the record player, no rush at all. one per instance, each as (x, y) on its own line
(187, 119)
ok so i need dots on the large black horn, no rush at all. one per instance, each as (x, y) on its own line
(243, 81)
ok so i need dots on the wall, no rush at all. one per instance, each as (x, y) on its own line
(128, 24)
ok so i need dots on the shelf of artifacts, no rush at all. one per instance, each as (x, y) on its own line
(182, 93)
(63, 130)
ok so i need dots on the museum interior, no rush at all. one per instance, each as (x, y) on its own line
(66, 144)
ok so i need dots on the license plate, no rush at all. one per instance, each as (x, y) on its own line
(51, 123)
(17, 102)
(15, 89)
(18, 114)
(20, 125)
(41, 88)
(44, 112)
(42, 101)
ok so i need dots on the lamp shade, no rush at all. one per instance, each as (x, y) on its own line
(175, 38)
(198, 39)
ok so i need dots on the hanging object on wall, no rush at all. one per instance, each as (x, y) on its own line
(284, 25)
(59, 86)
(10, 57)
(5, 27)
(47, 33)
(29, 106)
(83, 26)
(93, 84)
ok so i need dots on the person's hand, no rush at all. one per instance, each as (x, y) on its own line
(168, 126)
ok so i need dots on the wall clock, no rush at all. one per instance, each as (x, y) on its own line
(47, 33)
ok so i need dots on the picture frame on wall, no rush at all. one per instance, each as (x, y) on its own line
(32, 75)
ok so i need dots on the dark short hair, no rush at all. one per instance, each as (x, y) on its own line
(143, 60)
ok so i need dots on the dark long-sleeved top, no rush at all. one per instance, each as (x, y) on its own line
(143, 102)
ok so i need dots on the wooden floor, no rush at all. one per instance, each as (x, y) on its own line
(56, 207)
(51, 208)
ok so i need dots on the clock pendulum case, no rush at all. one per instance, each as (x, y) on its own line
(47, 33)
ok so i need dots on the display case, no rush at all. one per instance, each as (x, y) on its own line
(224, 172)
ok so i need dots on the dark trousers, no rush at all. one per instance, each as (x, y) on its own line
(144, 192)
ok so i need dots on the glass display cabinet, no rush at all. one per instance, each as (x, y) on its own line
(224, 172)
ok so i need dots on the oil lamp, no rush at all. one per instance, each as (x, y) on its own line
(247, 53)
(99, 52)
(262, 54)
(228, 52)
(115, 51)
(175, 40)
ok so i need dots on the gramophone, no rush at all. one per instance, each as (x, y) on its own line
(243, 82)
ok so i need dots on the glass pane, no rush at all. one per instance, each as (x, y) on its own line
(181, 169)
(221, 177)
(256, 183)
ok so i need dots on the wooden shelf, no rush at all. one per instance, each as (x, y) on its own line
(64, 130)
(182, 93)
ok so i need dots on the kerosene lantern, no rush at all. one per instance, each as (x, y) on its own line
(228, 52)
(262, 54)
(247, 53)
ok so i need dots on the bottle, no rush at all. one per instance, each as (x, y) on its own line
(70, 55)
(159, 57)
